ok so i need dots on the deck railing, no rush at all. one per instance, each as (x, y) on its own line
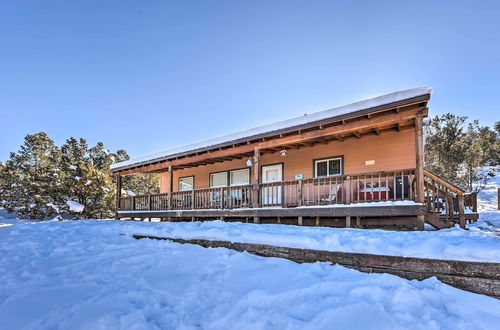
(347, 189)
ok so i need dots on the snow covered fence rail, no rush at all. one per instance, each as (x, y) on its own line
(478, 277)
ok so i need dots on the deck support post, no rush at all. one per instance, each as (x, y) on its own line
(299, 221)
(278, 219)
(193, 219)
(358, 221)
(255, 177)
(461, 211)
(256, 220)
(317, 221)
(419, 171)
(118, 194)
(348, 221)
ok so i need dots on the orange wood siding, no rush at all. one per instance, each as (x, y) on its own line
(390, 151)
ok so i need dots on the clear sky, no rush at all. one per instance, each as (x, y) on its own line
(148, 75)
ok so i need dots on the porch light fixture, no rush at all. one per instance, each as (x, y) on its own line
(283, 153)
(249, 162)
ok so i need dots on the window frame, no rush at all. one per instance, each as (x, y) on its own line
(238, 170)
(210, 179)
(326, 159)
(184, 177)
(228, 177)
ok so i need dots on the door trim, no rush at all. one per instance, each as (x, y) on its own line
(273, 164)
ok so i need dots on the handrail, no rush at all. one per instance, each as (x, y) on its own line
(444, 182)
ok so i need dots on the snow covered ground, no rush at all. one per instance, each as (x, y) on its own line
(86, 275)
(487, 199)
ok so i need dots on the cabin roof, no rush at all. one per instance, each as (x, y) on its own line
(354, 109)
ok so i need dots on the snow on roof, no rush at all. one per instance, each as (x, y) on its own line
(302, 120)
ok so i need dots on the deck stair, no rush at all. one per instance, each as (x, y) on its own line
(438, 221)
(445, 202)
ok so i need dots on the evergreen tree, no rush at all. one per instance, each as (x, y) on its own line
(481, 146)
(467, 157)
(444, 150)
(33, 179)
(88, 180)
(138, 183)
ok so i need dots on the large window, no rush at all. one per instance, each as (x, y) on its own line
(186, 183)
(328, 167)
(239, 177)
(230, 178)
(218, 179)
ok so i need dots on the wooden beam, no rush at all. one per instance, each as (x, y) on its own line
(118, 194)
(419, 171)
(357, 134)
(376, 131)
(170, 186)
(255, 176)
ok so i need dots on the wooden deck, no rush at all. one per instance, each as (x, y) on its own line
(344, 201)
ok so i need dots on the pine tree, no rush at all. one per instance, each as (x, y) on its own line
(138, 183)
(467, 157)
(480, 156)
(33, 178)
(88, 180)
(444, 150)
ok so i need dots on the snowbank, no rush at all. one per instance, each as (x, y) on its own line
(453, 243)
(75, 206)
(85, 275)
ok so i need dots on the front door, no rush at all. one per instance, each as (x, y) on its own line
(271, 193)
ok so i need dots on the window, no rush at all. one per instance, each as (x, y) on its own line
(231, 178)
(218, 179)
(186, 183)
(328, 167)
(239, 177)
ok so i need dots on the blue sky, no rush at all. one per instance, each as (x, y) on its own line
(148, 75)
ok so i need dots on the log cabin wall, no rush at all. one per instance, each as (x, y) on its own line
(391, 150)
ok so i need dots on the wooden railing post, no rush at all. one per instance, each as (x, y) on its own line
(461, 211)
(348, 189)
(192, 199)
(133, 203)
(221, 198)
(149, 202)
(300, 186)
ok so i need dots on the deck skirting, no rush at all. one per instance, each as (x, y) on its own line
(323, 211)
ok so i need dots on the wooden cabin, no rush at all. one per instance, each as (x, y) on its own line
(356, 165)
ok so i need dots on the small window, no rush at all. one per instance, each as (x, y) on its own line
(328, 167)
(218, 179)
(239, 177)
(186, 183)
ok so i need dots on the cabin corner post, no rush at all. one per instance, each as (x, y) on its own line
(118, 194)
(419, 171)
(255, 177)
(169, 187)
